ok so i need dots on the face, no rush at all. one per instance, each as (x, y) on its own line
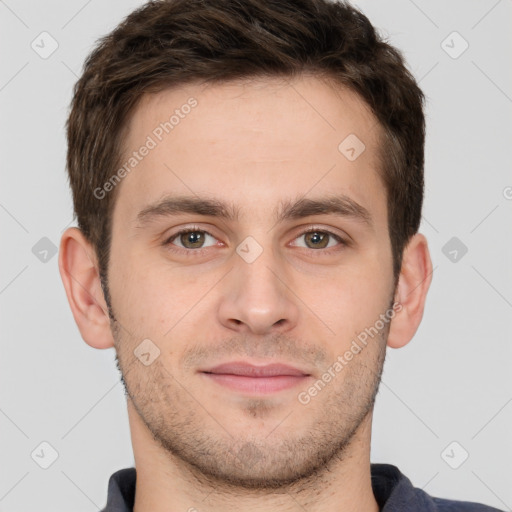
(285, 260)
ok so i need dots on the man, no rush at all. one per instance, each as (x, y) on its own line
(248, 182)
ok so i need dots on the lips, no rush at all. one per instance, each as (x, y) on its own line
(249, 370)
(242, 377)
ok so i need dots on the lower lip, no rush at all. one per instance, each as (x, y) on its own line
(257, 385)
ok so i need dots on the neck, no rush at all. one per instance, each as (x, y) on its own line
(167, 483)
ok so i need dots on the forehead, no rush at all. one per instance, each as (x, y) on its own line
(307, 106)
(252, 143)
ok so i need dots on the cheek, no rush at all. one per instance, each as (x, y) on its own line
(151, 298)
(135, 289)
(352, 299)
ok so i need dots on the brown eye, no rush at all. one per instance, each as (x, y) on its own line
(317, 239)
(191, 239)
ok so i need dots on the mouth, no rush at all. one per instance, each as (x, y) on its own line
(244, 377)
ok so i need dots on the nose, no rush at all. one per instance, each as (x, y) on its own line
(256, 297)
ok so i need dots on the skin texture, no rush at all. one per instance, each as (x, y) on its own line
(254, 144)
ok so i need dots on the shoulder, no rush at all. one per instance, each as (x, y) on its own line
(121, 491)
(394, 492)
(444, 505)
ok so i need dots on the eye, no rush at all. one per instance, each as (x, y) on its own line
(191, 238)
(319, 239)
(194, 240)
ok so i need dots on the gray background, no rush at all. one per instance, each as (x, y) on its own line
(451, 383)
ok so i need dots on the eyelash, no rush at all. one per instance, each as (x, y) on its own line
(197, 252)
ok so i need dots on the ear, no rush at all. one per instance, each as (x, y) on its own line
(413, 284)
(79, 272)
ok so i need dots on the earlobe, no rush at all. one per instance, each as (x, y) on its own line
(413, 284)
(79, 273)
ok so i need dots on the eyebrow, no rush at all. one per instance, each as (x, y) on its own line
(339, 205)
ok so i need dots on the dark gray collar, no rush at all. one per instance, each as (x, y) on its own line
(393, 492)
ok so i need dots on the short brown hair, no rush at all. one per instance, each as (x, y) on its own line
(169, 43)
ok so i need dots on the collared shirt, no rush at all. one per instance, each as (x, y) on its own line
(393, 492)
